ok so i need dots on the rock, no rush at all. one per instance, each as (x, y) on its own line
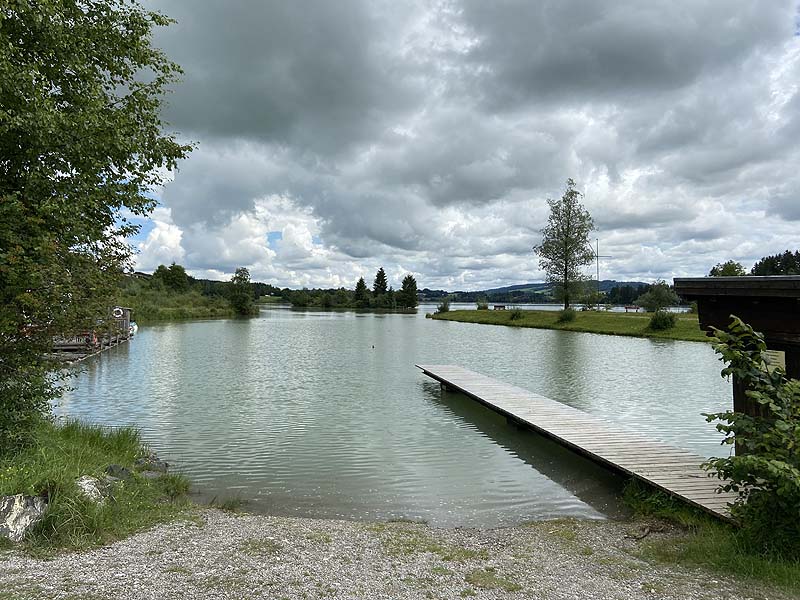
(117, 472)
(151, 474)
(18, 513)
(92, 488)
(151, 463)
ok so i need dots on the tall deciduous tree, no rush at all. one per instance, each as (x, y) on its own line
(241, 295)
(407, 298)
(81, 147)
(729, 268)
(565, 246)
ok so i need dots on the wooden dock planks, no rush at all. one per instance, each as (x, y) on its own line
(670, 469)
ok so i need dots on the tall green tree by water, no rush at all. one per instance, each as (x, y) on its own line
(241, 293)
(82, 145)
(407, 297)
(565, 245)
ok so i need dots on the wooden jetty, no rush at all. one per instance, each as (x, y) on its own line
(669, 469)
(80, 346)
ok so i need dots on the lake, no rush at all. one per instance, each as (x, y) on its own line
(323, 414)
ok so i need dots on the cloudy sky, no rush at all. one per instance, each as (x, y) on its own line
(337, 137)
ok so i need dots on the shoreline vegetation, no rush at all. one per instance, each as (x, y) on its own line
(687, 327)
(60, 454)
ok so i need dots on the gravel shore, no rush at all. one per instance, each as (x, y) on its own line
(216, 554)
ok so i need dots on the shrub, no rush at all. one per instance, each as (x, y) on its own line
(443, 307)
(766, 472)
(483, 305)
(659, 296)
(515, 315)
(662, 320)
(566, 316)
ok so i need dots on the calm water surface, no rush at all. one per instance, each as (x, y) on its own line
(324, 414)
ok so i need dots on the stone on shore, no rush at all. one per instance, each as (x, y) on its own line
(18, 513)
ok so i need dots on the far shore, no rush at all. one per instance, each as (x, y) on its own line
(633, 324)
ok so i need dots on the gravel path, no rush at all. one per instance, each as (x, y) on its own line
(216, 554)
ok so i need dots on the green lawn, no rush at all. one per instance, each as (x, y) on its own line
(611, 323)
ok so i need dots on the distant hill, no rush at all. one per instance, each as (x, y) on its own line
(605, 286)
(540, 292)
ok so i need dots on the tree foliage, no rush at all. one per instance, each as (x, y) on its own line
(565, 245)
(173, 278)
(407, 297)
(361, 295)
(786, 263)
(380, 285)
(766, 469)
(241, 292)
(81, 146)
(729, 268)
(659, 296)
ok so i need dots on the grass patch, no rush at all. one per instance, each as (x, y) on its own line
(611, 323)
(488, 579)
(233, 504)
(706, 542)
(261, 547)
(62, 453)
(401, 540)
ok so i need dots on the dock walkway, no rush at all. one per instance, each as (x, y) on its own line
(670, 469)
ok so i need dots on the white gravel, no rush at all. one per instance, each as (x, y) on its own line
(216, 554)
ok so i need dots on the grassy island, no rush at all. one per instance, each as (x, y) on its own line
(610, 323)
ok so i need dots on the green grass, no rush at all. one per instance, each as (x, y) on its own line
(489, 579)
(706, 542)
(611, 323)
(62, 453)
(151, 304)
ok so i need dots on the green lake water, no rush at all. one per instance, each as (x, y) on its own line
(323, 414)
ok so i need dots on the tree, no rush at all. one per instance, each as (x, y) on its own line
(658, 297)
(361, 295)
(729, 268)
(787, 263)
(565, 246)
(81, 146)
(407, 297)
(379, 287)
(241, 294)
(173, 277)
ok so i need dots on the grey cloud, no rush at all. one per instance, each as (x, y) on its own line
(431, 134)
(583, 51)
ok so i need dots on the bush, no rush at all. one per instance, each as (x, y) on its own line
(443, 307)
(659, 296)
(766, 470)
(566, 316)
(482, 305)
(515, 315)
(662, 320)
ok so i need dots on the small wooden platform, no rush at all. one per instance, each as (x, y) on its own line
(670, 469)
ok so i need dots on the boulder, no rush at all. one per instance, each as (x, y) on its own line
(18, 513)
(92, 488)
(151, 463)
(117, 472)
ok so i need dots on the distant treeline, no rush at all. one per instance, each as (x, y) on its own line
(787, 263)
(381, 296)
(170, 293)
